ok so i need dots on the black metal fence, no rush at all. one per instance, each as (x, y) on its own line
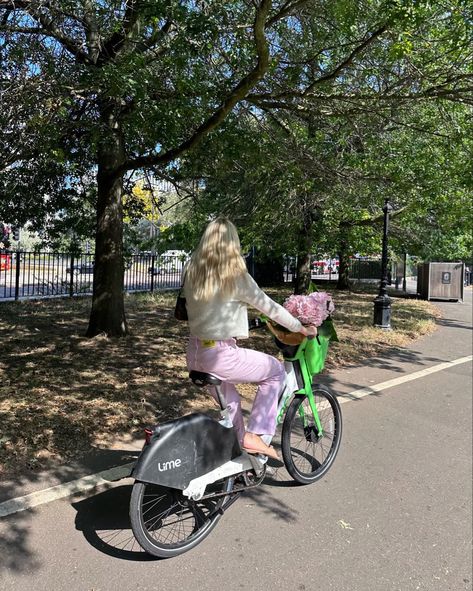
(365, 269)
(42, 274)
(26, 275)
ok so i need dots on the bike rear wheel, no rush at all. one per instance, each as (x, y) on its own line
(166, 523)
(307, 454)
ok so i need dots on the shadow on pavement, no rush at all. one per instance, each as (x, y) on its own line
(104, 521)
(15, 552)
(393, 360)
(454, 323)
(104, 517)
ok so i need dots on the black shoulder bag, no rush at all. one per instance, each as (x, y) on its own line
(180, 310)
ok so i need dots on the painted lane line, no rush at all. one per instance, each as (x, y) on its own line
(64, 490)
(357, 394)
(105, 477)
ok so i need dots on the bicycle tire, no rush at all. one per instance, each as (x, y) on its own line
(301, 445)
(159, 514)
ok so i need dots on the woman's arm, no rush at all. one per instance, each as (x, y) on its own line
(249, 292)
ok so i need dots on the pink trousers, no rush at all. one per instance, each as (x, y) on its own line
(233, 365)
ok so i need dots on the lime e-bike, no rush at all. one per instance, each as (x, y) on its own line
(192, 469)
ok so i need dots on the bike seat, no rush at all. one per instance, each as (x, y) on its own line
(201, 378)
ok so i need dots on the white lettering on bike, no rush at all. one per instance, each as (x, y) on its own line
(162, 467)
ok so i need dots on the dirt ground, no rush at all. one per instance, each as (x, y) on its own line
(61, 393)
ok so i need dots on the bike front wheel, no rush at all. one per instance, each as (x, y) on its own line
(307, 453)
(166, 523)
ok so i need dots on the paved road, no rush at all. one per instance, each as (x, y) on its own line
(394, 513)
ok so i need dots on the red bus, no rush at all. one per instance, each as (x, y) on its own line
(5, 262)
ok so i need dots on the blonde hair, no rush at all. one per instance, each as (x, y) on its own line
(216, 263)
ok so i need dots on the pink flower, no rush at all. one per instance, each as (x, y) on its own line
(310, 309)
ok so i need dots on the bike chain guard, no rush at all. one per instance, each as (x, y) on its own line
(244, 463)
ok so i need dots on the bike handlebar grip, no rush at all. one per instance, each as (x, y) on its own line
(255, 323)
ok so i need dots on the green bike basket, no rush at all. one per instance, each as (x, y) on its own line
(315, 354)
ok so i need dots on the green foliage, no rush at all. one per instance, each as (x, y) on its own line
(355, 106)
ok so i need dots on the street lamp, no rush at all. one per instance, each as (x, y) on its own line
(382, 302)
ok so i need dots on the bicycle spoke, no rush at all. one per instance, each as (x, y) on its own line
(305, 448)
(170, 522)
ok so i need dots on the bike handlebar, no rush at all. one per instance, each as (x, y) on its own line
(255, 323)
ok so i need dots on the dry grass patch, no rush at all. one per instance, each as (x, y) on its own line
(62, 394)
(359, 339)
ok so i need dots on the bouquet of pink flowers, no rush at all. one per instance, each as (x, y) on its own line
(310, 309)
(313, 309)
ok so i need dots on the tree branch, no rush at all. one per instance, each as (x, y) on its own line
(287, 9)
(372, 221)
(157, 36)
(280, 100)
(326, 77)
(235, 96)
(47, 23)
(112, 47)
(346, 62)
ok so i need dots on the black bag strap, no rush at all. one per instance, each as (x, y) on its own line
(182, 281)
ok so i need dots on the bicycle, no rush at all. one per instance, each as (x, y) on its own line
(192, 469)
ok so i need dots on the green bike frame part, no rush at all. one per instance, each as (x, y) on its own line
(311, 355)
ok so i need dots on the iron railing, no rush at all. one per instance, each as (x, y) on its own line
(26, 275)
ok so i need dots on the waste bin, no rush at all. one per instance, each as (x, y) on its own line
(440, 281)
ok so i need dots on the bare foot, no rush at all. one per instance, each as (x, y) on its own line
(253, 443)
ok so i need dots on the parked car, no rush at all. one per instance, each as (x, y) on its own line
(325, 266)
(164, 270)
(169, 263)
(82, 268)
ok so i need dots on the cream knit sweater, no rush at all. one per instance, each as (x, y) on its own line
(221, 318)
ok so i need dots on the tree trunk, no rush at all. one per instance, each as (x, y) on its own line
(303, 271)
(344, 262)
(108, 309)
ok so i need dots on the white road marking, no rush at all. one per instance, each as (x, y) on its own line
(106, 476)
(357, 394)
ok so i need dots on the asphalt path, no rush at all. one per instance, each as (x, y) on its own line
(393, 513)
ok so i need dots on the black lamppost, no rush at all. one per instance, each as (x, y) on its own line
(382, 302)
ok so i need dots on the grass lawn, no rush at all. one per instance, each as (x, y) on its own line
(62, 394)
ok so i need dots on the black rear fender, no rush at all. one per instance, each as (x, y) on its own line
(181, 450)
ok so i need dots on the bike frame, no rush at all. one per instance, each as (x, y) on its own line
(171, 447)
(294, 387)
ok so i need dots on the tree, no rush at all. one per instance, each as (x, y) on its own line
(306, 185)
(319, 160)
(123, 87)
(100, 70)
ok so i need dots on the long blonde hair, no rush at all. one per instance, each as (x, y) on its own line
(216, 263)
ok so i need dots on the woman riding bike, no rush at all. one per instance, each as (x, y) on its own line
(217, 288)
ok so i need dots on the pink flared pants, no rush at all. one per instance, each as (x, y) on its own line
(234, 365)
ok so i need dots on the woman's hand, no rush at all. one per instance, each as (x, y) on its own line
(309, 331)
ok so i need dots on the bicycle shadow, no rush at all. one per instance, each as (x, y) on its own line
(278, 477)
(103, 518)
(104, 521)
